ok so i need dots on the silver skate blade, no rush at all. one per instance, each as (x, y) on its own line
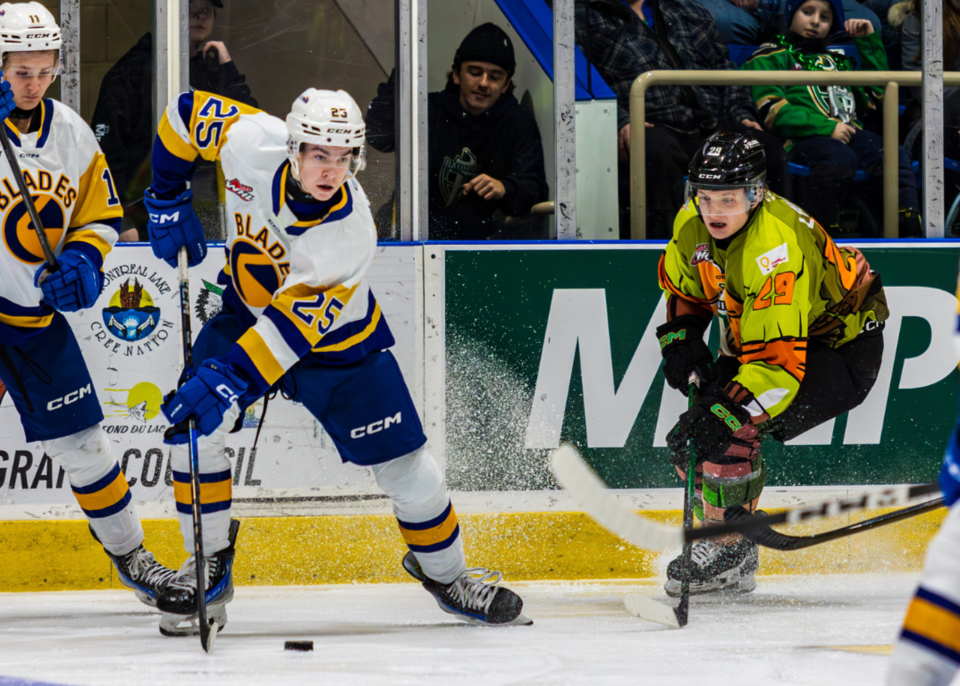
(520, 620)
(649, 609)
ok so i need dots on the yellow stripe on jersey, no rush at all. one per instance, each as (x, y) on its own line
(356, 338)
(26, 322)
(172, 141)
(96, 201)
(311, 309)
(259, 353)
(216, 492)
(90, 237)
(934, 622)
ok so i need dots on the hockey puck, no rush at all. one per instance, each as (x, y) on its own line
(302, 646)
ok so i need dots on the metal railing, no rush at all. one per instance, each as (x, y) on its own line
(889, 80)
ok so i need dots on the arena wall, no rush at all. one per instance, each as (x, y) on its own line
(508, 349)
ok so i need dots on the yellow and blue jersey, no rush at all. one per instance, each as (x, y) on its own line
(71, 186)
(296, 284)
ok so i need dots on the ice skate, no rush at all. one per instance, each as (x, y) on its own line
(715, 567)
(139, 570)
(178, 599)
(473, 597)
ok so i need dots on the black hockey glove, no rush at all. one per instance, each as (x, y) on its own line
(683, 350)
(718, 429)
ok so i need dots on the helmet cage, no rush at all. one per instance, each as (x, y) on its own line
(717, 202)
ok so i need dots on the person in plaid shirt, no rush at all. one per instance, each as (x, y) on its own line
(625, 39)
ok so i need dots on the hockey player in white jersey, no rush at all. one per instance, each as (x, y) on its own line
(299, 315)
(40, 362)
(928, 651)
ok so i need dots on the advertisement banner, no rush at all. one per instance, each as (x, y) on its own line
(547, 345)
(132, 345)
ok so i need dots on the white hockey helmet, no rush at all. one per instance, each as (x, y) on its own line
(28, 27)
(329, 118)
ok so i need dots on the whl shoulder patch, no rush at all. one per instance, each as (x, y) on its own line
(769, 260)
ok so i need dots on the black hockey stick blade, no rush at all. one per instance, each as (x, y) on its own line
(598, 501)
(769, 538)
(52, 264)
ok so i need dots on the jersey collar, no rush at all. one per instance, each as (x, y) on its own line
(340, 205)
(46, 119)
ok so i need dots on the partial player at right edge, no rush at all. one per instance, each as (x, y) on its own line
(298, 315)
(801, 340)
(928, 652)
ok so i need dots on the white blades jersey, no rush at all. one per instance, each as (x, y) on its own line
(68, 179)
(296, 286)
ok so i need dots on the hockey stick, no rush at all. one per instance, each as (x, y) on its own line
(644, 607)
(208, 630)
(52, 264)
(596, 499)
(767, 537)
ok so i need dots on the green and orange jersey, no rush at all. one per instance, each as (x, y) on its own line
(775, 285)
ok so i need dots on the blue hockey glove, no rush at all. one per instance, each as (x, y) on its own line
(75, 286)
(950, 474)
(207, 396)
(173, 225)
(7, 104)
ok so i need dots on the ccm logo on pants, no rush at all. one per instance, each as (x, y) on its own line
(375, 427)
(69, 398)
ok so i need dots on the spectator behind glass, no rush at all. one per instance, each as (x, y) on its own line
(485, 151)
(123, 118)
(908, 13)
(819, 125)
(625, 40)
(751, 22)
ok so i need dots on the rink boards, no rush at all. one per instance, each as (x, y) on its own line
(508, 349)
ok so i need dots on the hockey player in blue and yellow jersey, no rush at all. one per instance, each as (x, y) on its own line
(40, 362)
(298, 314)
(928, 651)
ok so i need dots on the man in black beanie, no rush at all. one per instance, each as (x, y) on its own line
(485, 152)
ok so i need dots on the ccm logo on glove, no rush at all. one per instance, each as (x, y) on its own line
(227, 393)
(164, 218)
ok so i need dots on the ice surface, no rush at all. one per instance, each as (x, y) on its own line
(818, 630)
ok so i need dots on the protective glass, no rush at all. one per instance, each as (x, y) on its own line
(717, 201)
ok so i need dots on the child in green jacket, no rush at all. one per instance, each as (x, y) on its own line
(819, 125)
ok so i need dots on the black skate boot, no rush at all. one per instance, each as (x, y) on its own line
(178, 600)
(474, 597)
(715, 567)
(140, 571)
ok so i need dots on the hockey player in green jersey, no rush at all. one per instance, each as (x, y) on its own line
(800, 338)
(819, 125)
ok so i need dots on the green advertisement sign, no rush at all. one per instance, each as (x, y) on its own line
(552, 344)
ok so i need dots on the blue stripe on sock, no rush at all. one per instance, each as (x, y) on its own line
(100, 483)
(430, 523)
(442, 545)
(184, 477)
(205, 508)
(107, 511)
(938, 600)
(932, 645)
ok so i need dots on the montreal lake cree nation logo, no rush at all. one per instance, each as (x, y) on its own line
(131, 316)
